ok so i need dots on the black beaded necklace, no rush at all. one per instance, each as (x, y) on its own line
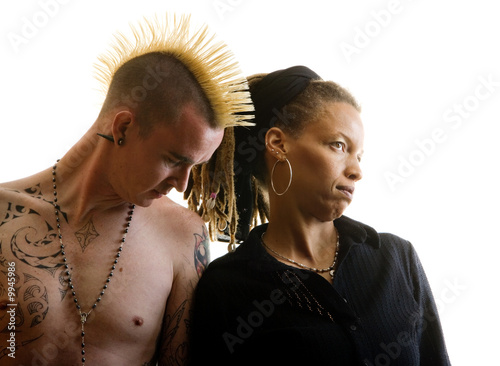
(84, 315)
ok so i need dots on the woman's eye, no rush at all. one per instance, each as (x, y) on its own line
(338, 145)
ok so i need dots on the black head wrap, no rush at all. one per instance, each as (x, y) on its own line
(269, 96)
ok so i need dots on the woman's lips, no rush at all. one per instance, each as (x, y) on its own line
(347, 191)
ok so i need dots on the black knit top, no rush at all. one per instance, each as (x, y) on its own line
(251, 309)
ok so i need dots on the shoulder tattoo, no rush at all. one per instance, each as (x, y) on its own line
(201, 251)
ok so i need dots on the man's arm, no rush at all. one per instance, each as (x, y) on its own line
(27, 265)
(174, 348)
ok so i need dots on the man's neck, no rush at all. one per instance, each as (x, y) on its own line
(82, 185)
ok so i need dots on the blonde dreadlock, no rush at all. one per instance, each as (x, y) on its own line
(211, 188)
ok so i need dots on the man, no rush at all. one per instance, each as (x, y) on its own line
(97, 266)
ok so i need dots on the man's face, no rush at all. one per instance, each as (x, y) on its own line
(152, 166)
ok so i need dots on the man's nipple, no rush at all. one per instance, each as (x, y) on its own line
(138, 321)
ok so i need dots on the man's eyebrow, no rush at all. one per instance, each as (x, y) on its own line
(182, 159)
(185, 160)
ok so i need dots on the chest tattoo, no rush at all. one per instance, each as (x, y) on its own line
(86, 234)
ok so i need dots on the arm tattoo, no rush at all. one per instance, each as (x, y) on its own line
(201, 252)
(35, 191)
(34, 300)
(171, 353)
(27, 248)
(34, 242)
(14, 212)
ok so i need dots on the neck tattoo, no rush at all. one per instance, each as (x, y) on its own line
(84, 315)
(330, 269)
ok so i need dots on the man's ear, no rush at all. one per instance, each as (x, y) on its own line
(122, 122)
(276, 142)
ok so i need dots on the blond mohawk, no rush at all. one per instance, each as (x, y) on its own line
(211, 189)
(210, 61)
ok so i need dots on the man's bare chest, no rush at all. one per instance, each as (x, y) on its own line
(125, 298)
(128, 315)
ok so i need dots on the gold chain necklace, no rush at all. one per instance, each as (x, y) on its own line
(84, 315)
(330, 269)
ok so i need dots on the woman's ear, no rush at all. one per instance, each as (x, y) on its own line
(121, 123)
(276, 142)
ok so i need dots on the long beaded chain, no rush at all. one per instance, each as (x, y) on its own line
(330, 269)
(84, 315)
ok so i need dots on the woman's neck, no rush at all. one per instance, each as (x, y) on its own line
(312, 243)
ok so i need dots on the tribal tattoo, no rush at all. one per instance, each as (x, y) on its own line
(36, 247)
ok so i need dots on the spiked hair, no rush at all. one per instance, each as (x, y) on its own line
(212, 67)
(210, 62)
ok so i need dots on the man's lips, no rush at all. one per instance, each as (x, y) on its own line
(161, 194)
(348, 191)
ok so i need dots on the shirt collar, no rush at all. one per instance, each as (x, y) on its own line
(357, 232)
(351, 233)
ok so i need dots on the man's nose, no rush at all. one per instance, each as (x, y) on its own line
(181, 179)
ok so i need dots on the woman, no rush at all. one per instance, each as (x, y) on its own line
(311, 286)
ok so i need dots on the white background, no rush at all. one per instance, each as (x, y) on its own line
(417, 67)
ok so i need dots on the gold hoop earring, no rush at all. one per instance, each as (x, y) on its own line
(289, 182)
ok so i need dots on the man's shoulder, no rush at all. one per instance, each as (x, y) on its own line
(168, 209)
(21, 193)
(29, 186)
(184, 235)
(176, 222)
(9, 189)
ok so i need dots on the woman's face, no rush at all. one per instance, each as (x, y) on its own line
(325, 159)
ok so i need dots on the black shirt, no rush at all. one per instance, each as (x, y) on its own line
(251, 309)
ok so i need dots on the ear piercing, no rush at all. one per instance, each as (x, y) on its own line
(110, 138)
(107, 137)
(272, 150)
